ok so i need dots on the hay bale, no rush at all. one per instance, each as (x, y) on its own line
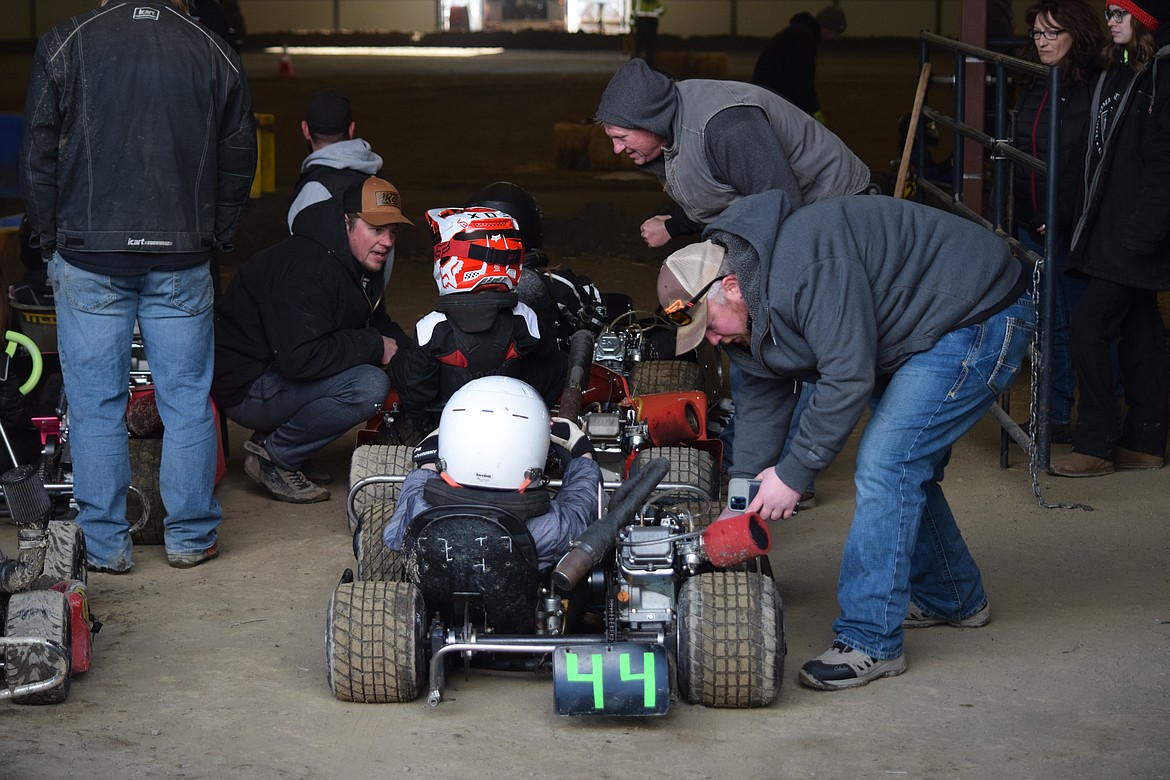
(572, 145)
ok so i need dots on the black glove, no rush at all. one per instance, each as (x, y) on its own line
(427, 450)
(569, 440)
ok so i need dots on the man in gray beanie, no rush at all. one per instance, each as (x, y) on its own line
(712, 142)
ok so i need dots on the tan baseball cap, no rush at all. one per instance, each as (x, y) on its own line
(686, 273)
(376, 201)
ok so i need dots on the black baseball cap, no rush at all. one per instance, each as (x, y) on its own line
(329, 113)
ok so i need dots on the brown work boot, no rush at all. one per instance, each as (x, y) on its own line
(1077, 464)
(1132, 459)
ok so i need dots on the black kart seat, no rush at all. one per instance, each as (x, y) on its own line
(473, 549)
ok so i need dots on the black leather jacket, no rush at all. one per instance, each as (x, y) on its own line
(139, 136)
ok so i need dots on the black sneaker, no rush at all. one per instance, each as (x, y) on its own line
(256, 445)
(843, 667)
(282, 484)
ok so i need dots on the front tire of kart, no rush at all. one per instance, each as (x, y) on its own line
(43, 614)
(730, 640)
(665, 376)
(65, 554)
(374, 638)
(379, 460)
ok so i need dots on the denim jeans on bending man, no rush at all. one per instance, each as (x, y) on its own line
(95, 327)
(904, 544)
(302, 416)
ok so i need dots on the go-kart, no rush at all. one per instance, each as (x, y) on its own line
(626, 431)
(44, 607)
(45, 625)
(650, 603)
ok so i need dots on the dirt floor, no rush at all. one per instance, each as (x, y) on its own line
(219, 671)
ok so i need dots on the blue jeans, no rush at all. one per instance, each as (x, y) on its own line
(95, 327)
(301, 417)
(904, 544)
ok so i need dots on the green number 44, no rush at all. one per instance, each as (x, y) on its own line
(595, 676)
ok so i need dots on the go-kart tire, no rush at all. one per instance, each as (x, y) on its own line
(403, 432)
(145, 461)
(377, 562)
(665, 376)
(43, 614)
(730, 640)
(374, 638)
(379, 460)
(689, 467)
(65, 554)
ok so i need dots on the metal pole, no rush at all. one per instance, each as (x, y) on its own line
(1048, 281)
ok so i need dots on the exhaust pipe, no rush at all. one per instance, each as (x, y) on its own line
(595, 541)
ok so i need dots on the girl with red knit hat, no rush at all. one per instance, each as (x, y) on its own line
(1121, 242)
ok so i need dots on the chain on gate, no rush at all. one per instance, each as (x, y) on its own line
(1033, 419)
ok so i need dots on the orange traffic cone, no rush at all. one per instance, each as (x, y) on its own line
(286, 68)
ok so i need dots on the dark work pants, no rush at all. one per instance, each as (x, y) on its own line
(1115, 313)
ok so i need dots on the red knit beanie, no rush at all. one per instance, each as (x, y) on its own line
(1148, 12)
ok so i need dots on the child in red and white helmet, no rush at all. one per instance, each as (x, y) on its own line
(479, 326)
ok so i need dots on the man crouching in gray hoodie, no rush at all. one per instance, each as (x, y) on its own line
(910, 310)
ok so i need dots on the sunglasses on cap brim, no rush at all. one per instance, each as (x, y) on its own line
(679, 312)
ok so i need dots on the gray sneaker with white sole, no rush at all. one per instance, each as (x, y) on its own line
(843, 667)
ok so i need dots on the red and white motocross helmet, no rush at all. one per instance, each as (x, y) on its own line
(475, 249)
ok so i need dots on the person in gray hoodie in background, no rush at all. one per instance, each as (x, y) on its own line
(915, 313)
(711, 143)
(336, 159)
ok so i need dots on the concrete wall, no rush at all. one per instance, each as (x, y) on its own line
(27, 19)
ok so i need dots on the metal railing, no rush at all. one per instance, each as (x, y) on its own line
(1003, 156)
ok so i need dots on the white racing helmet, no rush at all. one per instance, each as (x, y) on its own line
(494, 433)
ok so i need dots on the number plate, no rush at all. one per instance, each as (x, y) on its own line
(626, 678)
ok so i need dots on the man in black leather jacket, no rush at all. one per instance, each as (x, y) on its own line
(137, 161)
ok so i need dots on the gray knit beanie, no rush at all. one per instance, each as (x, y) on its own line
(639, 98)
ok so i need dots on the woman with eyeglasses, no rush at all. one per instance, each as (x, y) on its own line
(1121, 243)
(1065, 34)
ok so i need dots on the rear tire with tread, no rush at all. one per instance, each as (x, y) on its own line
(377, 562)
(665, 376)
(374, 642)
(730, 640)
(145, 462)
(689, 467)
